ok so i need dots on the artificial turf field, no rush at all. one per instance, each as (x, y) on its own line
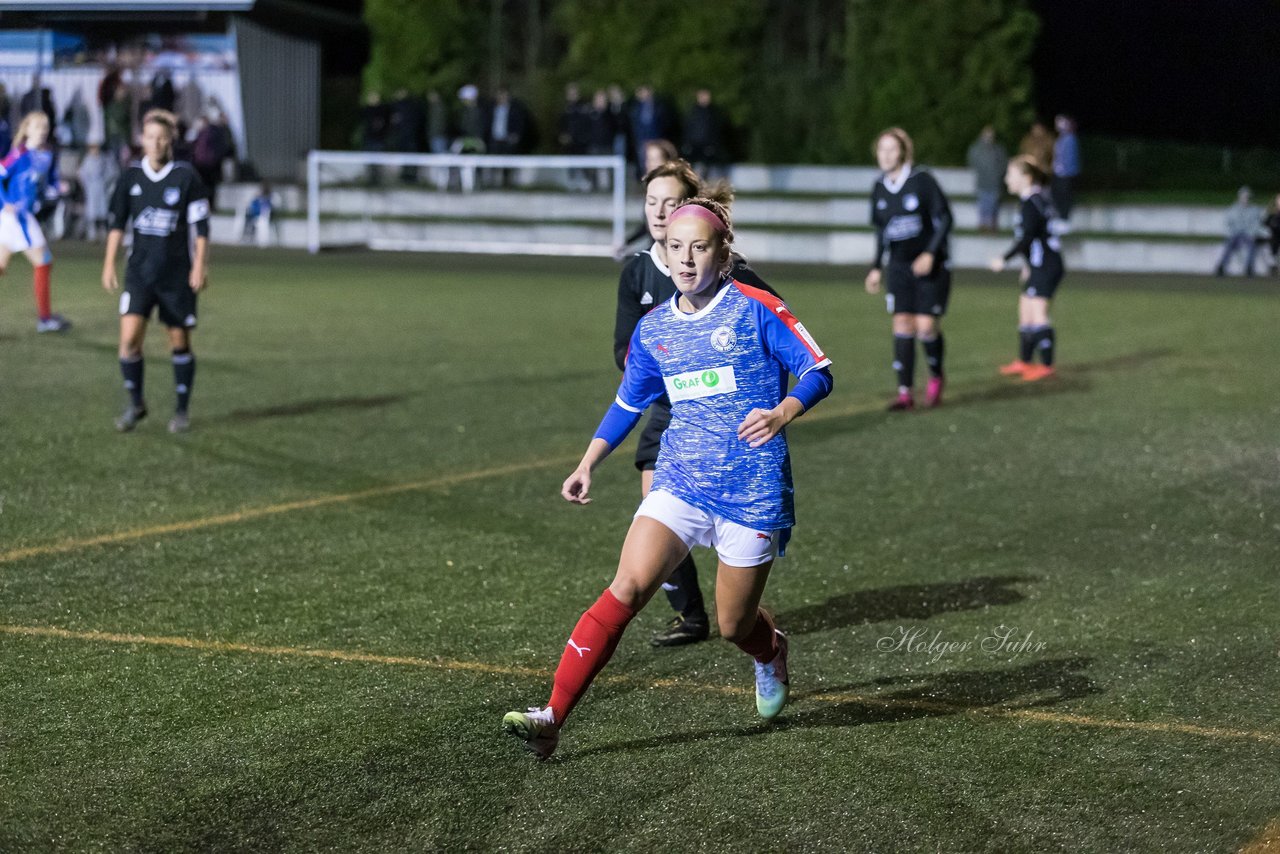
(298, 626)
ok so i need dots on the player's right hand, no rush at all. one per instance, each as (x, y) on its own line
(873, 282)
(996, 264)
(109, 281)
(576, 487)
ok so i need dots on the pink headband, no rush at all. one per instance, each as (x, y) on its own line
(701, 213)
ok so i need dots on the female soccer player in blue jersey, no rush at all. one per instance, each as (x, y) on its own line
(27, 175)
(1037, 240)
(721, 351)
(646, 282)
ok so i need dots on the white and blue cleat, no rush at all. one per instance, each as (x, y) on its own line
(772, 682)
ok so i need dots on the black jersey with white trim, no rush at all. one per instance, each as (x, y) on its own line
(163, 205)
(645, 283)
(911, 216)
(1037, 231)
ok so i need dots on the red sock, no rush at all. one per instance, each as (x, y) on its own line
(587, 652)
(41, 287)
(762, 642)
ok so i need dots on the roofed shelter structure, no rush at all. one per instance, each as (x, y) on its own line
(257, 61)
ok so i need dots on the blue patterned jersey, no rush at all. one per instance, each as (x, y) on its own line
(26, 175)
(716, 365)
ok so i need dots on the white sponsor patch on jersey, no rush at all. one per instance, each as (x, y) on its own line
(692, 385)
(155, 222)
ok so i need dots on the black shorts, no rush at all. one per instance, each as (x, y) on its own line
(651, 435)
(908, 293)
(172, 295)
(1043, 281)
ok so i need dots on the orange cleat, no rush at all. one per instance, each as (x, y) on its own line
(1037, 372)
(1015, 368)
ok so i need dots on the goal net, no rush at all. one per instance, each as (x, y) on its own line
(483, 203)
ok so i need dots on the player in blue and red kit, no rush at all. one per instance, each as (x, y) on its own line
(721, 352)
(28, 177)
(646, 282)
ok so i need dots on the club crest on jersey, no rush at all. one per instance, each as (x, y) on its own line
(724, 340)
(171, 195)
(910, 201)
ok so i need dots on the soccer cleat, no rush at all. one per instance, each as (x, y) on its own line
(536, 728)
(681, 631)
(1015, 368)
(902, 402)
(180, 422)
(130, 418)
(53, 323)
(1037, 372)
(933, 392)
(773, 683)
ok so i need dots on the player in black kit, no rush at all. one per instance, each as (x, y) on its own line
(1037, 239)
(644, 284)
(164, 199)
(912, 219)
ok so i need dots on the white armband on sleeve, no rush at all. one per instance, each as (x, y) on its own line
(198, 210)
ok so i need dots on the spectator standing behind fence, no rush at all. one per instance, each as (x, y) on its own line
(375, 124)
(575, 133)
(621, 112)
(1272, 224)
(211, 144)
(1244, 226)
(988, 159)
(1066, 165)
(704, 137)
(510, 130)
(98, 172)
(649, 120)
(116, 124)
(407, 128)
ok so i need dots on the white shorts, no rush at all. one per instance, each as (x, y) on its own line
(736, 545)
(18, 233)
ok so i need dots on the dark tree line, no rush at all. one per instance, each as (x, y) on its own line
(800, 80)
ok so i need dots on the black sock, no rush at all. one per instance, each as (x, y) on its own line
(683, 592)
(933, 352)
(184, 376)
(904, 359)
(1026, 343)
(1044, 344)
(131, 370)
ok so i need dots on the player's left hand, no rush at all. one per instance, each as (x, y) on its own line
(198, 280)
(997, 265)
(923, 265)
(761, 425)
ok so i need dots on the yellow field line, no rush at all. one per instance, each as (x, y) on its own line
(252, 513)
(276, 509)
(453, 665)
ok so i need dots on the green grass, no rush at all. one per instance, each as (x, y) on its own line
(1124, 516)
